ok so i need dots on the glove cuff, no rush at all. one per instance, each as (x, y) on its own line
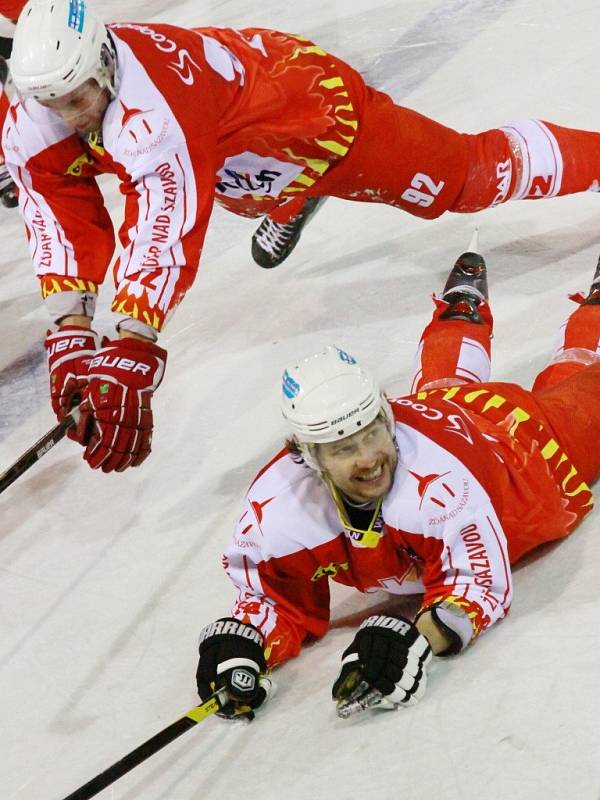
(127, 323)
(62, 302)
(454, 622)
(131, 344)
(232, 663)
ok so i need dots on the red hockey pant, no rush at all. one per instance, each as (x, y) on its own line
(406, 160)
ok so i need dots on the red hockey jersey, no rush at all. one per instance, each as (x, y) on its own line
(251, 117)
(11, 8)
(480, 480)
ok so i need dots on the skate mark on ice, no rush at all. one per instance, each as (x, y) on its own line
(427, 46)
(23, 389)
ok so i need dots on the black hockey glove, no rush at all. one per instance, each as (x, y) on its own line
(384, 666)
(232, 657)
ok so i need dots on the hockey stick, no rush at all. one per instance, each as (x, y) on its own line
(39, 449)
(148, 748)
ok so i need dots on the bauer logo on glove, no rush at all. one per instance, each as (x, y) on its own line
(116, 403)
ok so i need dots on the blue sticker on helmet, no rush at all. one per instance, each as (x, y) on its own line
(346, 357)
(76, 15)
(290, 387)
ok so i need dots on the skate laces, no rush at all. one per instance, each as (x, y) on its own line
(5, 178)
(274, 236)
(464, 289)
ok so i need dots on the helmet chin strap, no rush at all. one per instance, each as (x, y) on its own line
(307, 451)
(107, 73)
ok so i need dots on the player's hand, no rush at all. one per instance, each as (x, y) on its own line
(115, 407)
(232, 657)
(70, 350)
(383, 667)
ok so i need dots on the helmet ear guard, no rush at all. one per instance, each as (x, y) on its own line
(107, 74)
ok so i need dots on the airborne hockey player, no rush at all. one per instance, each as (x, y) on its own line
(438, 493)
(265, 123)
(10, 9)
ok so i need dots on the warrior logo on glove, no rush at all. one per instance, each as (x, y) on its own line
(232, 657)
(384, 666)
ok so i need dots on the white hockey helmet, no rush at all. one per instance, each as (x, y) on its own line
(58, 46)
(328, 396)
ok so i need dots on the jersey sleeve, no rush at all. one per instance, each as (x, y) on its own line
(457, 534)
(275, 592)
(167, 210)
(11, 8)
(161, 133)
(69, 231)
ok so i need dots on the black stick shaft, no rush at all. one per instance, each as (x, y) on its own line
(145, 750)
(39, 449)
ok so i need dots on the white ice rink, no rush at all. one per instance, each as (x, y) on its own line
(105, 581)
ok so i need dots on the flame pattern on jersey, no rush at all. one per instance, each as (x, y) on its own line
(254, 117)
(51, 284)
(524, 422)
(481, 480)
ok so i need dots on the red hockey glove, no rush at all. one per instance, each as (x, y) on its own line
(70, 350)
(122, 377)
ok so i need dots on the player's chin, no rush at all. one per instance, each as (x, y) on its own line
(87, 126)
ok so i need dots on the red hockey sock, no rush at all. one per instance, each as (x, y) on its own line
(528, 160)
(453, 351)
(578, 347)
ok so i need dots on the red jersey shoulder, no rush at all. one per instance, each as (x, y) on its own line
(438, 419)
(165, 50)
(452, 428)
(281, 454)
(11, 8)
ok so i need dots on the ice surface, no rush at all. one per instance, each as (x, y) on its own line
(107, 580)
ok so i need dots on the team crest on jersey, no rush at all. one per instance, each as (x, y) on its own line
(251, 174)
(442, 496)
(142, 128)
(330, 571)
(77, 167)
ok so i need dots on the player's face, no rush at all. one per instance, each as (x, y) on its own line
(83, 108)
(362, 465)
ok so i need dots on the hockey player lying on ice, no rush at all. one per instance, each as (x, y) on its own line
(438, 492)
(264, 122)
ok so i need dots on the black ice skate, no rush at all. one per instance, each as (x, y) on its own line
(593, 298)
(8, 190)
(273, 241)
(465, 288)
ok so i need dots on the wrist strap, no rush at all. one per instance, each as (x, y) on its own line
(454, 623)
